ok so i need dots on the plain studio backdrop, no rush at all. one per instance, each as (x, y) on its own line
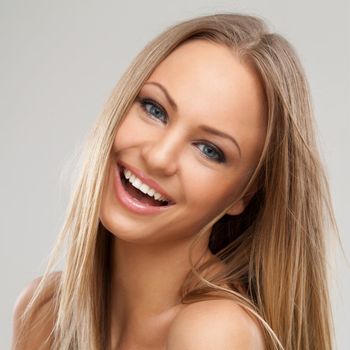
(58, 64)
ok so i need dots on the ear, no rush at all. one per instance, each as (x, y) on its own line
(238, 207)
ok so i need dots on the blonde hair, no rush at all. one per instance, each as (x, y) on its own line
(275, 248)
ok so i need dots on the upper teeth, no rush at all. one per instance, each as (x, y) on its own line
(137, 183)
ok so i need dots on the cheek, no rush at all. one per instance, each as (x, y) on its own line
(125, 133)
(211, 191)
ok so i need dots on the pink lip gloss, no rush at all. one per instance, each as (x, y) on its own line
(145, 179)
(132, 203)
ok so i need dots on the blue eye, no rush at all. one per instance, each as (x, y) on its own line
(153, 109)
(211, 152)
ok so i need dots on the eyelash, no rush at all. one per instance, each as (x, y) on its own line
(147, 101)
(143, 102)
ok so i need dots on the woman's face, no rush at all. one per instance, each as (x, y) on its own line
(193, 135)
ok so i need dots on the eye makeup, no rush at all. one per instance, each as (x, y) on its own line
(156, 111)
(153, 109)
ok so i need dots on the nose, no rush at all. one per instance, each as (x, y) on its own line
(161, 155)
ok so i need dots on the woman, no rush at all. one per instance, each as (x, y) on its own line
(198, 220)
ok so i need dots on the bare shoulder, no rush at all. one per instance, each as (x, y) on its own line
(215, 324)
(41, 321)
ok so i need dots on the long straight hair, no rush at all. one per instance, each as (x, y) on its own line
(275, 248)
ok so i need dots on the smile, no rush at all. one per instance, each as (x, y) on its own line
(138, 184)
(139, 193)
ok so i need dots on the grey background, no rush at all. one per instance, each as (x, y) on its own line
(58, 64)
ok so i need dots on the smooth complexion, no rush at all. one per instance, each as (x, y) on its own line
(196, 129)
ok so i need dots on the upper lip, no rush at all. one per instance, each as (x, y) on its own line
(146, 180)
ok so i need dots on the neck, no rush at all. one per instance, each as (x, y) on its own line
(146, 284)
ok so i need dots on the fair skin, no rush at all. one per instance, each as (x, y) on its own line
(211, 88)
(203, 173)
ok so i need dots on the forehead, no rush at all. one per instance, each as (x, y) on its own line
(208, 81)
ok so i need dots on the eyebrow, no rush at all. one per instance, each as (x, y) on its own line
(222, 134)
(202, 127)
(165, 92)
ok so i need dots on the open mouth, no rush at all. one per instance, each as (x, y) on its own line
(141, 191)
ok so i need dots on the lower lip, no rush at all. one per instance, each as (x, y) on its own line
(132, 203)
